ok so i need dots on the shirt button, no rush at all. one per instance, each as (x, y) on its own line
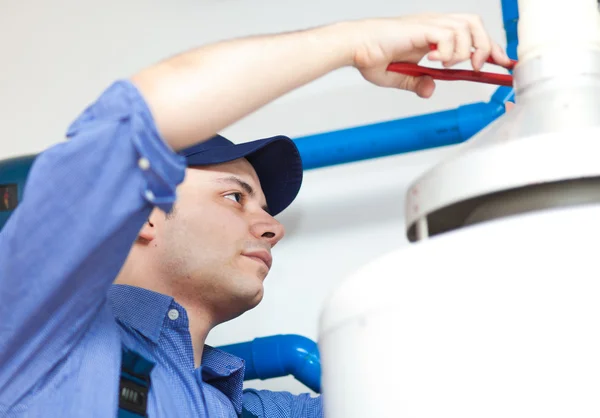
(143, 163)
(149, 195)
(173, 314)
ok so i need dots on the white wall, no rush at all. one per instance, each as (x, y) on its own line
(57, 56)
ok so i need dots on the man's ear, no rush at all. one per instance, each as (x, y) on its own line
(148, 232)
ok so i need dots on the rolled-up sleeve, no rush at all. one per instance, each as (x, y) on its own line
(84, 203)
(267, 404)
(122, 114)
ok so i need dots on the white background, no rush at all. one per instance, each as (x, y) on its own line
(57, 56)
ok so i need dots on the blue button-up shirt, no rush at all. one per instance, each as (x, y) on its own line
(64, 322)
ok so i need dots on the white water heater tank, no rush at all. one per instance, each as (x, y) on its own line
(496, 320)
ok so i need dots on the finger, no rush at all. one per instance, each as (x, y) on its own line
(462, 39)
(508, 106)
(480, 40)
(462, 46)
(499, 55)
(423, 86)
(444, 39)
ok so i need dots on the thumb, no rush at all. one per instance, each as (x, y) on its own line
(423, 86)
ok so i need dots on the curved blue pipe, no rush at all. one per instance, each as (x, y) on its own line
(398, 136)
(278, 356)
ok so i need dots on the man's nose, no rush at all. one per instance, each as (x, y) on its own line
(266, 228)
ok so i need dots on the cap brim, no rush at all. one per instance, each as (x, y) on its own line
(276, 161)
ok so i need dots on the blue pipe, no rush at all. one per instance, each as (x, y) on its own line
(510, 16)
(503, 95)
(410, 134)
(278, 356)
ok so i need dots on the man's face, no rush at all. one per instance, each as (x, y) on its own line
(214, 250)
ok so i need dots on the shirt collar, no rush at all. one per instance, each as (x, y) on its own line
(141, 309)
(225, 372)
(146, 311)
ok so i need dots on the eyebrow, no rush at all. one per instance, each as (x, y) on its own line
(244, 185)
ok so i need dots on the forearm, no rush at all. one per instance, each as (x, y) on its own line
(195, 94)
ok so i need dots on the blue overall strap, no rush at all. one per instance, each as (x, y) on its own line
(134, 385)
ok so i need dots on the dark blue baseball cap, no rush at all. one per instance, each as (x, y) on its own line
(276, 161)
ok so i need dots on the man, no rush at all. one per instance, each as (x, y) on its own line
(183, 259)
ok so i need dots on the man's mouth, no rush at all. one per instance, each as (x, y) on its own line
(262, 256)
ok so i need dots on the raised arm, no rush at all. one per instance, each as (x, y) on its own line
(195, 94)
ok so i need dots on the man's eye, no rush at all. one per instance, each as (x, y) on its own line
(237, 197)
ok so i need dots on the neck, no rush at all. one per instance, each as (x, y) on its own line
(200, 326)
(201, 320)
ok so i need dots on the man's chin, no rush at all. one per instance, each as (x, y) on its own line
(255, 302)
(252, 290)
(258, 296)
(244, 303)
